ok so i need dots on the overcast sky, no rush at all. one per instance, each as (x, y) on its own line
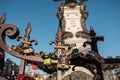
(104, 16)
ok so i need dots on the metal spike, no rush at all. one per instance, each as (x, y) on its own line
(28, 29)
(59, 34)
(2, 19)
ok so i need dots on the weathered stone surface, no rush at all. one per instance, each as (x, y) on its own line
(77, 75)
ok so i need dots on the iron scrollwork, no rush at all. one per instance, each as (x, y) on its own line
(12, 32)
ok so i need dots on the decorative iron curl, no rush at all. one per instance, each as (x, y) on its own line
(12, 32)
(9, 30)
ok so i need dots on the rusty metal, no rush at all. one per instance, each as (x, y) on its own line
(62, 58)
(2, 54)
(60, 54)
(22, 66)
(12, 32)
(18, 51)
(25, 46)
(3, 18)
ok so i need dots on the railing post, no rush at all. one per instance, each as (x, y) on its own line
(22, 67)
